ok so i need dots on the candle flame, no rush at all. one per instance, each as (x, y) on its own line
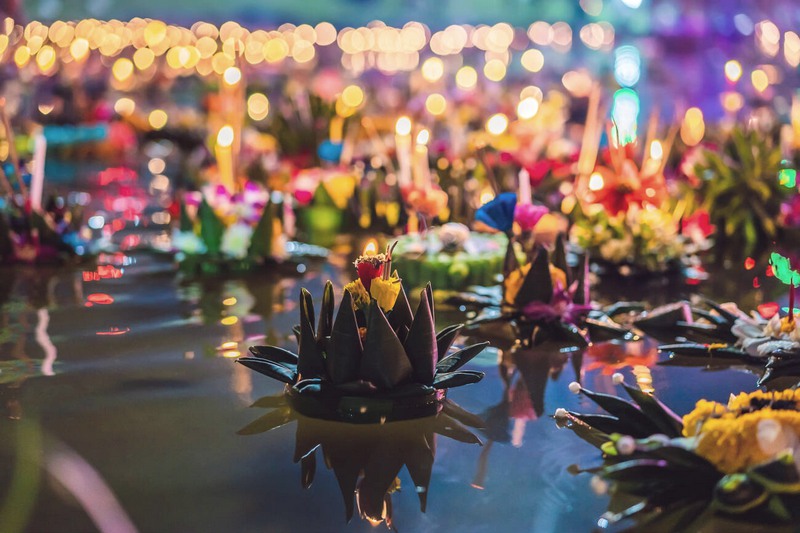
(371, 248)
(423, 136)
(403, 126)
(596, 182)
(656, 150)
(225, 136)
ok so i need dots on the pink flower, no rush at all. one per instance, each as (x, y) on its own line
(527, 215)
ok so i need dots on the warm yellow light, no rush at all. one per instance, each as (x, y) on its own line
(732, 101)
(122, 69)
(494, 70)
(229, 301)
(436, 104)
(326, 33)
(656, 150)
(527, 108)
(225, 136)
(531, 91)
(371, 247)
(403, 126)
(79, 49)
(433, 69)
(423, 136)
(760, 80)
(276, 50)
(125, 107)
(258, 106)
(143, 58)
(154, 33)
(693, 127)
(156, 165)
(532, 60)
(229, 321)
(497, 124)
(353, 96)
(466, 77)
(157, 119)
(46, 58)
(486, 196)
(733, 70)
(596, 182)
(232, 75)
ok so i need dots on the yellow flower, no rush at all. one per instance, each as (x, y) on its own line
(729, 436)
(358, 293)
(385, 291)
(513, 283)
(340, 187)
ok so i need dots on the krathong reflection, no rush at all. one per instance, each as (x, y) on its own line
(367, 458)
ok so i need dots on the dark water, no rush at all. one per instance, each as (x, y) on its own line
(120, 409)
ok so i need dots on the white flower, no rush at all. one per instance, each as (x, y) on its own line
(236, 240)
(187, 242)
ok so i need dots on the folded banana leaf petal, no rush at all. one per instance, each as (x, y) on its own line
(559, 258)
(429, 294)
(605, 330)
(401, 312)
(777, 368)
(312, 386)
(714, 318)
(650, 470)
(380, 471)
(268, 422)
(326, 313)
(537, 286)
(453, 429)
(681, 515)
(458, 359)
(346, 467)
(624, 308)
(593, 436)
(729, 317)
(779, 476)
(344, 357)
(706, 351)
(306, 440)
(402, 334)
(296, 331)
(421, 346)
(639, 423)
(582, 277)
(662, 416)
(459, 378)
(274, 353)
(271, 402)
(678, 456)
(358, 387)
(311, 362)
(560, 332)
(737, 493)
(665, 316)
(418, 458)
(510, 261)
(445, 338)
(453, 410)
(384, 362)
(603, 423)
(308, 468)
(269, 368)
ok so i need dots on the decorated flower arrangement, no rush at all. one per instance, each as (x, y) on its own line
(732, 460)
(744, 188)
(323, 196)
(222, 230)
(451, 256)
(764, 339)
(623, 219)
(375, 359)
(367, 460)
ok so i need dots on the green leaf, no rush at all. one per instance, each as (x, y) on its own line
(211, 228)
(662, 416)
(270, 368)
(261, 242)
(458, 378)
(274, 353)
(268, 422)
(420, 344)
(458, 359)
(344, 356)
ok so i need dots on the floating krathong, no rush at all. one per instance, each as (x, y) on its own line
(735, 460)
(367, 459)
(726, 335)
(374, 360)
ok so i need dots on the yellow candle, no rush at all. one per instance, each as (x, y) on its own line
(224, 153)
(402, 142)
(422, 170)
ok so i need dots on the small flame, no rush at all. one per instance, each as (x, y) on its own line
(656, 150)
(423, 136)
(225, 136)
(403, 126)
(371, 248)
(596, 182)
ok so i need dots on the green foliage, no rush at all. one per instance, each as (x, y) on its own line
(740, 189)
(261, 243)
(211, 228)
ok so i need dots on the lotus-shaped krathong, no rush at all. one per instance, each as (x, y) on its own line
(735, 460)
(364, 364)
(367, 459)
(545, 300)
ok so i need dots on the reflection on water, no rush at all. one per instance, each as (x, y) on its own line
(366, 459)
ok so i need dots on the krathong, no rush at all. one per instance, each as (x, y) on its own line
(374, 360)
(732, 460)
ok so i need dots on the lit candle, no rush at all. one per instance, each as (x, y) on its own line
(402, 142)
(37, 173)
(524, 187)
(336, 129)
(224, 152)
(422, 169)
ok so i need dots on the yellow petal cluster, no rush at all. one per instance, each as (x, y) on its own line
(359, 293)
(385, 292)
(727, 435)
